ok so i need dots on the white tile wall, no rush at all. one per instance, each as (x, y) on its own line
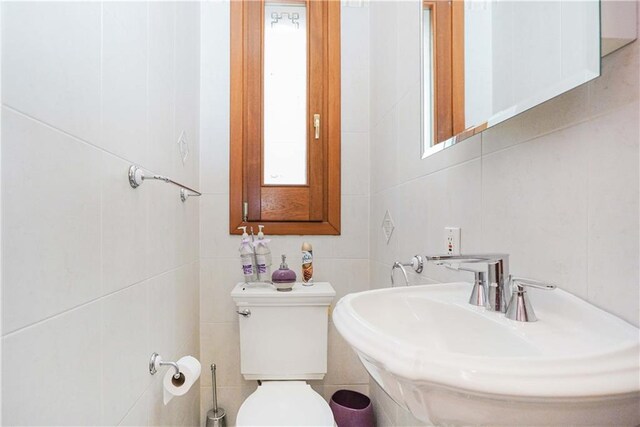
(56, 367)
(40, 281)
(187, 69)
(51, 64)
(97, 275)
(355, 72)
(125, 325)
(122, 263)
(556, 187)
(538, 215)
(341, 260)
(161, 102)
(124, 70)
(612, 217)
(1, 209)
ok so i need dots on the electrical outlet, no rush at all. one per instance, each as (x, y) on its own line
(452, 240)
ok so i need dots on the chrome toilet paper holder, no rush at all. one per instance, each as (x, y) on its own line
(156, 361)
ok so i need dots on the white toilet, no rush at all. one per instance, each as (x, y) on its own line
(283, 343)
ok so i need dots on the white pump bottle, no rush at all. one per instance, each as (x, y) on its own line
(246, 257)
(263, 256)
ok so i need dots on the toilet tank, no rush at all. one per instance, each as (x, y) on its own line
(285, 336)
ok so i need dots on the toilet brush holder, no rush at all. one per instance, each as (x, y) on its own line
(215, 417)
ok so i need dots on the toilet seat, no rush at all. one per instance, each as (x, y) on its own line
(284, 403)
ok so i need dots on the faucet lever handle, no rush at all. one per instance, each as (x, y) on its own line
(520, 307)
(518, 284)
(456, 267)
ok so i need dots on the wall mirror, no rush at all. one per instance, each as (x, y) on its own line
(485, 61)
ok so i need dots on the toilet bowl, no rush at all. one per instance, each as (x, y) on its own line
(283, 343)
(285, 403)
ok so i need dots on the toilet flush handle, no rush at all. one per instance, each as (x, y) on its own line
(245, 312)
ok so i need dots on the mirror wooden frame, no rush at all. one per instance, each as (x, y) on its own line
(447, 21)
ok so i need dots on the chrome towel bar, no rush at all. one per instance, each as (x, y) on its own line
(137, 177)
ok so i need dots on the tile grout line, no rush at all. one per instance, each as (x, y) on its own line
(585, 119)
(74, 137)
(484, 154)
(147, 230)
(587, 233)
(95, 300)
(413, 180)
(100, 183)
(482, 201)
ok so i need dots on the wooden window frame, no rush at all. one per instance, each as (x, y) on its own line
(447, 22)
(245, 176)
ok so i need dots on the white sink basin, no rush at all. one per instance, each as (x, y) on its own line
(449, 362)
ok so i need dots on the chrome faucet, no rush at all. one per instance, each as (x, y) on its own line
(399, 265)
(500, 284)
(497, 277)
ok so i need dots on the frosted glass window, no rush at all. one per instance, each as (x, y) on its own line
(427, 79)
(285, 94)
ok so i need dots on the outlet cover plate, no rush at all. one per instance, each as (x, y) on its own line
(452, 240)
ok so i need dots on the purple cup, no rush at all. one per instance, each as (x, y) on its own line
(352, 409)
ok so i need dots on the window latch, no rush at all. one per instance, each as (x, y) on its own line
(316, 124)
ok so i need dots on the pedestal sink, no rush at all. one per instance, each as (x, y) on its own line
(451, 363)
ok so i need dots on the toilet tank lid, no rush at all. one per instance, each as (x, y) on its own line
(321, 293)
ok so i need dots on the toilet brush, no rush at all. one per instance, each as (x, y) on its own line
(215, 417)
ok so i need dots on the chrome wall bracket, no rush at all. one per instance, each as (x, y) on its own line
(137, 177)
(417, 262)
(156, 361)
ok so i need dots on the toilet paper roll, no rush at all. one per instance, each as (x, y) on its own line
(189, 374)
